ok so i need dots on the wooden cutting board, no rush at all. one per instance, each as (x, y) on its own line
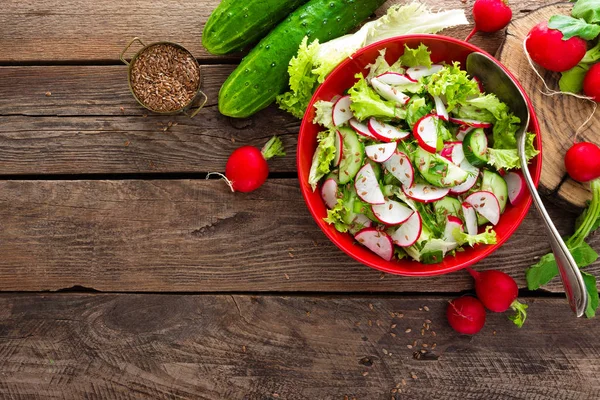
(559, 115)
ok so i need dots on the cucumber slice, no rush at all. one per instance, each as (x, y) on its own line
(350, 199)
(447, 206)
(493, 182)
(353, 155)
(475, 147)
(438, 170)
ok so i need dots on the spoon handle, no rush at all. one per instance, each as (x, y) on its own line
(567, 267)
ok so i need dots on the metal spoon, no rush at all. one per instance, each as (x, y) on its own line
(496, 81)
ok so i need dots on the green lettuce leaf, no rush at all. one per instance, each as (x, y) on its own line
(453, 83)
(592, 289)
(324, 155)
(486, 237)
(366, 102)
(417, 108)
(468, 111)
(589, 10)
(509, 158)
(324, 114)
(416, 57)
(572, 80)
(335, 216)
(520, 314)
(571, 27)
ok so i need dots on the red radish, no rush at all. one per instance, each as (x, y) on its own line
(440, 108)
(362, 221)
(419, 72)
(380, 152)
(582, 161)
(401, 168)
(392, 212)
(466, 315)
(471, 179)
(425, 131)
(486, 204)
(479, 84)
(361, 129)
(463, 130)
(388, 92)
(591, 82)
(498, 292)
(386, 132)
(329, 192)
(470, 218)
(452, 223)
(341, 111)
(378, 242)
(425, 193)
(409, 232)
(470, 122)
(367, 186)
(339, 148)
(547, 48)
(247, 169)
(490, 16)
(453, 152)
(516, 186)
(395, 79)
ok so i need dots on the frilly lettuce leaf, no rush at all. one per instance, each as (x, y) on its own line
(487, 237)
(324, 155)
(324, 114)
(505, 123)
(417, 108)
(453, 83)
(366, 102)
(335, 216)
(509, 158)
(416, 57)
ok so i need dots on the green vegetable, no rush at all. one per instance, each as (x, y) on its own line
(314, 61)
(487, 237)
(416, 57)
(234, 24)
(417, 108)
(336, 215)
(589, 10)
(509, 158)
(572, 80)
(453, 83)
(571, 27)
(262, 74)
(324, 114)
(367, 103)
(323, 157)
(592, 289)
(380, 65)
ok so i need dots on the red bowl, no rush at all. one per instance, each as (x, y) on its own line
(443, 49)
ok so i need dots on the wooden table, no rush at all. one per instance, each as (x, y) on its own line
(126, 274)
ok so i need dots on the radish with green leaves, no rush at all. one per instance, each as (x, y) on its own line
(490, 16)
(466, 315)
(591, 82)
(498, 292)
(548, 48)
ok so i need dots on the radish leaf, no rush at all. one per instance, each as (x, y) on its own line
(571, 27)
(589, 10)
(415, 57)
(592, 289)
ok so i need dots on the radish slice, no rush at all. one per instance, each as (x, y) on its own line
(408, 233)
(486, 204)
(386, 132)
(516, 186)
(471, 180)
(470, 122)
(479, 84)
(339, 148)
(361, 129)
(452, 222)
(470, 218)
(421, 71)
(392, 212)
(362, 220)
(395, 79)
(378, 242)
(400, 167)
(329, 192)
(367, 186)
(388, 92)
(458, 156)
(462, 132)
(440, 108)
(425, 193)
(341, 111)
(380, 152)
(453, 152)
(425, 130)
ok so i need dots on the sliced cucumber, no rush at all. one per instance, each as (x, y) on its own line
(475, 146)
(438, 170)
(493, 182)
(353, 155)
(446, 206)
(376, 168)
(349, 199)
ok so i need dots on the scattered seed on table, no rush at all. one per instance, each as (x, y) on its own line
(308, 313)
(413, 375)
(370, 323)
(392, 334)
(425, 345)
(433, 334)
(414, 343)
(287, 277)
(393, 326)
(428, 321)
(385, 351)
(291, 255)
(371, 307)
(420, 308)
(122, 109)
(365, 373)
(422, 332)
(408, 330)
(382, 275)
(425, 308)
(394, 390)
(243, 349)
(127, 143)
(433, 346)
(48, 94)
(423, 351)
(409, 346)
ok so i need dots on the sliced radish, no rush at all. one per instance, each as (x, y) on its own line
(367, 186)
(378, 242)
(470, 218)
(421, 71)
(400, 167)
(380, 152)
(470, 122)
(388, 92)
(341, 111)
(408, 233)
(392, 212)
(453, 152)
(361, 129)
(471, 180)
(479, 84)
(452, 223)
(395, 79)
(462, 131)
(339, 148)
(425, 193)
(516, 186)
(362, 220)
(329, 192)
(486, 204)
(440, 108)
(425, 130)
(386, 132)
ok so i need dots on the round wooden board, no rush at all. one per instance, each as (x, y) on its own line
(559, 115)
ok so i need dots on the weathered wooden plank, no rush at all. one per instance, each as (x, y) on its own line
(270, 347)
(195, 235)
(73, 30)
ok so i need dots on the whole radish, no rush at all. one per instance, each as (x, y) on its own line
(547, 48)
(466, 315)
(490, 16)
(247, 169)
(591, 82)
(498, 292)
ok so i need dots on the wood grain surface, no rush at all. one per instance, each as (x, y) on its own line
(195, 235)
(271, 347)
(559, 116)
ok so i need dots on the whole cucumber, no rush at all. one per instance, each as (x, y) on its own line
(262, 74)
(235, 24)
